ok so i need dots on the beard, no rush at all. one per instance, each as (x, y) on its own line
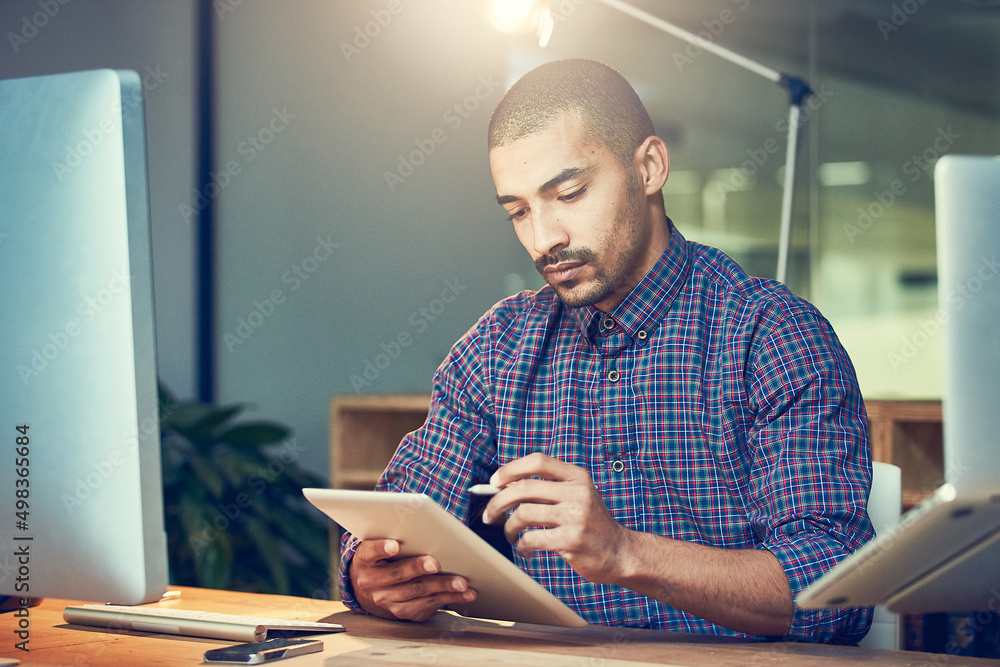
(606, 280)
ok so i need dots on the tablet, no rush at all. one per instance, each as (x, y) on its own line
(942, 556)
(421, 526)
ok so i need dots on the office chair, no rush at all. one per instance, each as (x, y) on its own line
(884, 508)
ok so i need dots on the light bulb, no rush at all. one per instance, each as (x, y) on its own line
(513, 15)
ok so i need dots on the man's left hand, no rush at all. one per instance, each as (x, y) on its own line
(555, 507)
(558, 509)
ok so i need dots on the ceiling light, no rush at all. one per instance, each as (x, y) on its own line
(834, 174)
(523, 16)
(513, 15)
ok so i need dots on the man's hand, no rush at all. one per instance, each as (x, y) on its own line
(409, 589)
(559, 510)
(563, 512)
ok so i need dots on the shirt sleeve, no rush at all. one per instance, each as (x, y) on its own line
(811, 471)
(450, 452)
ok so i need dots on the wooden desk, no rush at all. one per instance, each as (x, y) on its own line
(444, 640)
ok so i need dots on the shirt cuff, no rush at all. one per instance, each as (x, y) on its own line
(348, 545)
(805, 557)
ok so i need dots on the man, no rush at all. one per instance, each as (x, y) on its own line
(679, 446)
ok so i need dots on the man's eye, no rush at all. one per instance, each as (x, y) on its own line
(518, 214)
(573, 195)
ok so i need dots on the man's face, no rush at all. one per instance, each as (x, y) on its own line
(579, 213)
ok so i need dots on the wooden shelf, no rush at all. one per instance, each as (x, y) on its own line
(908, 434)
(365, 431)
(364, 434)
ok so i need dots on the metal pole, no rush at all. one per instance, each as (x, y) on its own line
(797, 88)
(698, 41)
(785, 236)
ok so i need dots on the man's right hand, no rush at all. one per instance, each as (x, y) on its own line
(409, 589)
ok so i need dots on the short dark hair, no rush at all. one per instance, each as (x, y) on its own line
(608, 107)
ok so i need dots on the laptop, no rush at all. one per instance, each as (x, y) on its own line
(944, 555)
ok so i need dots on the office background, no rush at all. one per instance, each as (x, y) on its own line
(354, 232)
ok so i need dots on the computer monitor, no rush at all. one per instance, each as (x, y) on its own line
(945, 554)
(81, 495)
(967, 206)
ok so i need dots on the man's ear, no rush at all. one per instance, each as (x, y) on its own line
(653, 161)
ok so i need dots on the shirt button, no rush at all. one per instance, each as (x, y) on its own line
(614, 376)
(642, 334)
(608, 324)
(617, 466)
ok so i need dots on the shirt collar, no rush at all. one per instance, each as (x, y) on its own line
(646, 305)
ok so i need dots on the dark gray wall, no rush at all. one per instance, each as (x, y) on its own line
(157, 40)
(333, 278)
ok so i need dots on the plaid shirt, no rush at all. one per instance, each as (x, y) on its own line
(708, 406)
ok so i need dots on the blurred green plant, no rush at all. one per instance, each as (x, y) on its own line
(235, 515)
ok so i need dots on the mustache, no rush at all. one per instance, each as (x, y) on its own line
(582, 255)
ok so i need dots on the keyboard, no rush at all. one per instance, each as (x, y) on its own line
(190, 623)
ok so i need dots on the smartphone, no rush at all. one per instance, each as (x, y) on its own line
(261, 652)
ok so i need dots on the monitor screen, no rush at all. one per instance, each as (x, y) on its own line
(81, 500)
(967, 206)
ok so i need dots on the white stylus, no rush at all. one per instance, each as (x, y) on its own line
(484, 490)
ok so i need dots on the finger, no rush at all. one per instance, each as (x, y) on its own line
(537, 465)
(532, 515)
(532, 465)
(422, 608)
(373, 551)
(540, 539)
(417, 599)
(536, 491)
(406, 589)
(383, 574)
(549, 521)
(423, 587)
